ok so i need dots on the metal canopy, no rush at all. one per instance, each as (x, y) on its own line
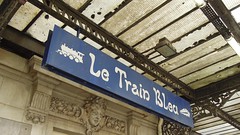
(204, 69)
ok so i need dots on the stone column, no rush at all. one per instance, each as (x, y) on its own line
(133, 123)
(38, 110)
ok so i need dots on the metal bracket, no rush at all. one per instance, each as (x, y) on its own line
(172, 128)
(212, 105)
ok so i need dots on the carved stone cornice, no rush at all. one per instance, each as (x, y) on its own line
(116, 124)
(39, 107)
(35, 117)
(65, 108)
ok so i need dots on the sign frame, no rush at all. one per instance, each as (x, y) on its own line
(70, 57)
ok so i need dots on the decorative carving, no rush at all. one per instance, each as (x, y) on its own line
(91, 115)
(63, 107)
(40, 101)
(116, 124)
(39, 106)
(35, 117)
(170, 128)
(95, 108)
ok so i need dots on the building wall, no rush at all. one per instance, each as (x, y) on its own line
(34, 101)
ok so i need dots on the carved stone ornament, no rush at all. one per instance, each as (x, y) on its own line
(35, 117)
(95, 119)
(91, 115)
(63, 107)
(116, 124)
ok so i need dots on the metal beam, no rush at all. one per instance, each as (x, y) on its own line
(23, 40)
(226, 17)
(7, 9)
(201, 109)
(68, 15)
(222, 86)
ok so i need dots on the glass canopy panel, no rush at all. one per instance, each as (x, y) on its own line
(76, 4)
(188, 23)
(157, 20)
(92, 43)
(109, 53)
(137, 69)
(236, 14)
(99, 8)
(24, 16)
(42, 25)
(129, 14)
(70, 30)
(124, 62)
(231, 3)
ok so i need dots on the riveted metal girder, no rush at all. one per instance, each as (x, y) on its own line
(211, 106)
(7, 9)
(226, 17)
(218, 87)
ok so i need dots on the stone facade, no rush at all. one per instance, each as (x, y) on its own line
(49, 104)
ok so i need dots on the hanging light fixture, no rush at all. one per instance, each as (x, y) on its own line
(165, 48)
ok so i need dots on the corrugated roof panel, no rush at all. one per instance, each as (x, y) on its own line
(24, 16)
(189, 40)
(216, 77)
(129, 14)
(176, 30)
(211, 69)
(157, 20)
(204, 62)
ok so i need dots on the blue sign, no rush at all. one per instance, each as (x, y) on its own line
(71, 57)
